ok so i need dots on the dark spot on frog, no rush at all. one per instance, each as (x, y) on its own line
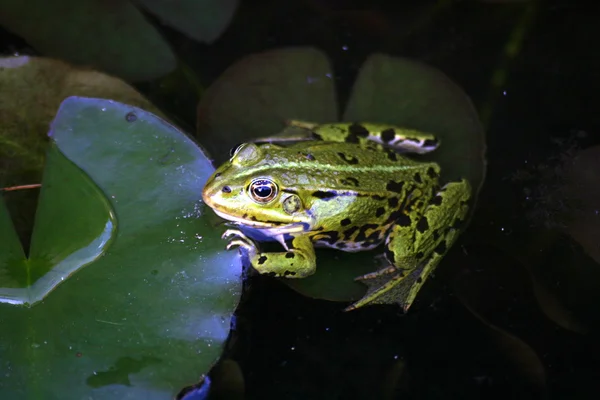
(419, 280)
(253, 218)
(340, 245)
(356, 131)
(372, 240)
(396, 187)
(289, 254)
(437, 200)
(244, 216)
(130, 117)
(420, 255)
(289, 273)
(349, 159)
(430, 143)
(349, 232)
(391, 155)
(441, 248)
(377, 197)
(261, 260)
(379, 212)
(316, 136)
(402, 220)
(226, 189)
(218, 174)
(324, 195)
(393, 202)
(388, 135)
(417, 178)
(330, 237)
(345, 221)
(350, 181)
(359, 130)
(436, 234)
(423, 225)
(431, 172)
(362, 235)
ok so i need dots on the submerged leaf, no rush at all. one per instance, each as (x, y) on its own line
(203, 20)
(112, 36)
(256, 95)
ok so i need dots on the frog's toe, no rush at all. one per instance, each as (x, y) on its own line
(234, 233)
(378, 274)
(248, 246)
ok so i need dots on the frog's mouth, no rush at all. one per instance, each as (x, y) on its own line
(275, 226)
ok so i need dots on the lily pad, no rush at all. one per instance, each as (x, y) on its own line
(151, 314)
(32, 89)
(255, 97)
(113, 36)
(202, 20)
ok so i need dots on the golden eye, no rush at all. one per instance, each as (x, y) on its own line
(262, 190)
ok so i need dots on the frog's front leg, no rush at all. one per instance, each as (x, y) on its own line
(414, 250)
(298, 261)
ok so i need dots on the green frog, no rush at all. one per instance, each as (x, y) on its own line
(345, 186)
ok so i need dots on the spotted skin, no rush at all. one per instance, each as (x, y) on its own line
(349, 188)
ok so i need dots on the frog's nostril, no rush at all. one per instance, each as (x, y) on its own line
(226, 189)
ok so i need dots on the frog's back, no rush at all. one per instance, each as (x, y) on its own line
(348, 167)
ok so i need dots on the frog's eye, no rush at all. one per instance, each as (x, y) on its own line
(235, 149)
(262, 190)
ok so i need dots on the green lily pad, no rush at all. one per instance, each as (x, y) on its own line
(73, 227)
(32, 90)
(202, 20)
(113, 36)
(255, 97)
(148, 316)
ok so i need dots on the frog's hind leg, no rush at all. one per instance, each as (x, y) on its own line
(402, 140)
(414, 250)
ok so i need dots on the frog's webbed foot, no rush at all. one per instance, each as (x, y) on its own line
(238, 239)
(389, 285)
(415, 250)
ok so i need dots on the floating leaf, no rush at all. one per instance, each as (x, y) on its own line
(112, 36)
(255, 96)
(31, 90)
(152, 313)
(202, 20)
(414, 95)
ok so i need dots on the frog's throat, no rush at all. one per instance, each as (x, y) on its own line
(273, 227)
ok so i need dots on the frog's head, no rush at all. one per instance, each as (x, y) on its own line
(245, 190)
